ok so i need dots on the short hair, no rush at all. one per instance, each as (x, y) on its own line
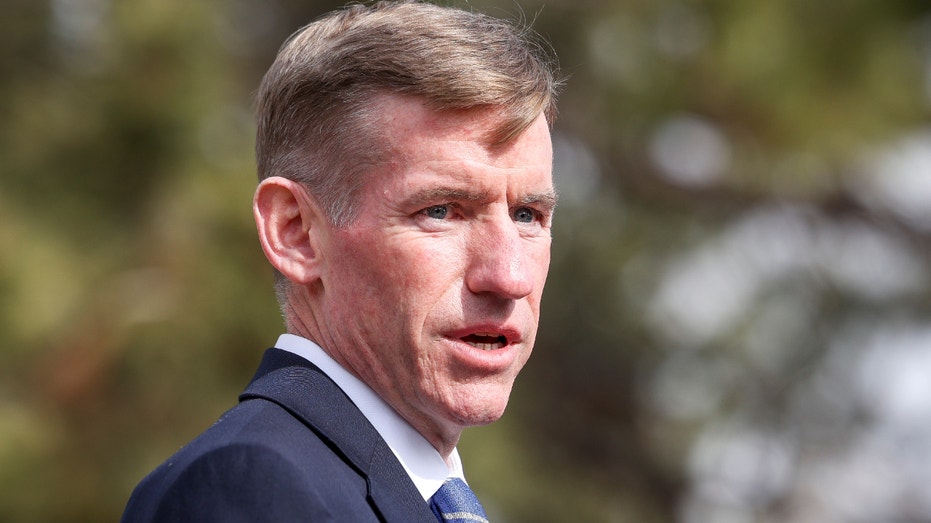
(316, 102)
(317, 106)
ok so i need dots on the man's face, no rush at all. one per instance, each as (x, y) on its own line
(432, 295)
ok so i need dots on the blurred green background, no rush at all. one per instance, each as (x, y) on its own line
(737, 325)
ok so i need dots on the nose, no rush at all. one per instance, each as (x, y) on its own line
(500, 262)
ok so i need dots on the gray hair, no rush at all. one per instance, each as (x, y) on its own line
(318, 103)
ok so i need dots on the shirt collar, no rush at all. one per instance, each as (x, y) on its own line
(419, 458)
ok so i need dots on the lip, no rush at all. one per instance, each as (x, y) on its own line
(462, 344)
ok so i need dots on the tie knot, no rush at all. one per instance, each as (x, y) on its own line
(455, 502)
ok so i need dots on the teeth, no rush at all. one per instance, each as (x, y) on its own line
(485, 346)
(497, 344)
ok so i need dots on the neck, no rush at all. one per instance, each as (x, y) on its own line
(301, 321)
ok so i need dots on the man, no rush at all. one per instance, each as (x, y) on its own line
(405, 201)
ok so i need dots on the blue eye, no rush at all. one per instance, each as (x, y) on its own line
(437, 212)
(524, 215)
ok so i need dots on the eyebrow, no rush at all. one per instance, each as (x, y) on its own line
(446, 194)
(547, 200)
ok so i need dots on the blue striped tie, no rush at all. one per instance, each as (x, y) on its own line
(455, 502)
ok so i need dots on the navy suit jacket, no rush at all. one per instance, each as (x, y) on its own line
(294, 449)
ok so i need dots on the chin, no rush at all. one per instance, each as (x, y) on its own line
(480, 407)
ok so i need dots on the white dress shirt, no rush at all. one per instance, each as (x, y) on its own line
(419, 458)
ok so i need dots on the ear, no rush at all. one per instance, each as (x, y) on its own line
(289, 224)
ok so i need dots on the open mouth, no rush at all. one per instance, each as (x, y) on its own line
(485, 341)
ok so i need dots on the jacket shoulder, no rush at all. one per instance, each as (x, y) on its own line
(257, 463)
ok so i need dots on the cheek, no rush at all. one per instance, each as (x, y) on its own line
(401, 281)
(543, 262)
(422, 270)
(358, 285)
(541, 267)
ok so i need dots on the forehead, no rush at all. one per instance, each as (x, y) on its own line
(416, 134)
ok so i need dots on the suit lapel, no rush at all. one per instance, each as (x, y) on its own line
(308, 394)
